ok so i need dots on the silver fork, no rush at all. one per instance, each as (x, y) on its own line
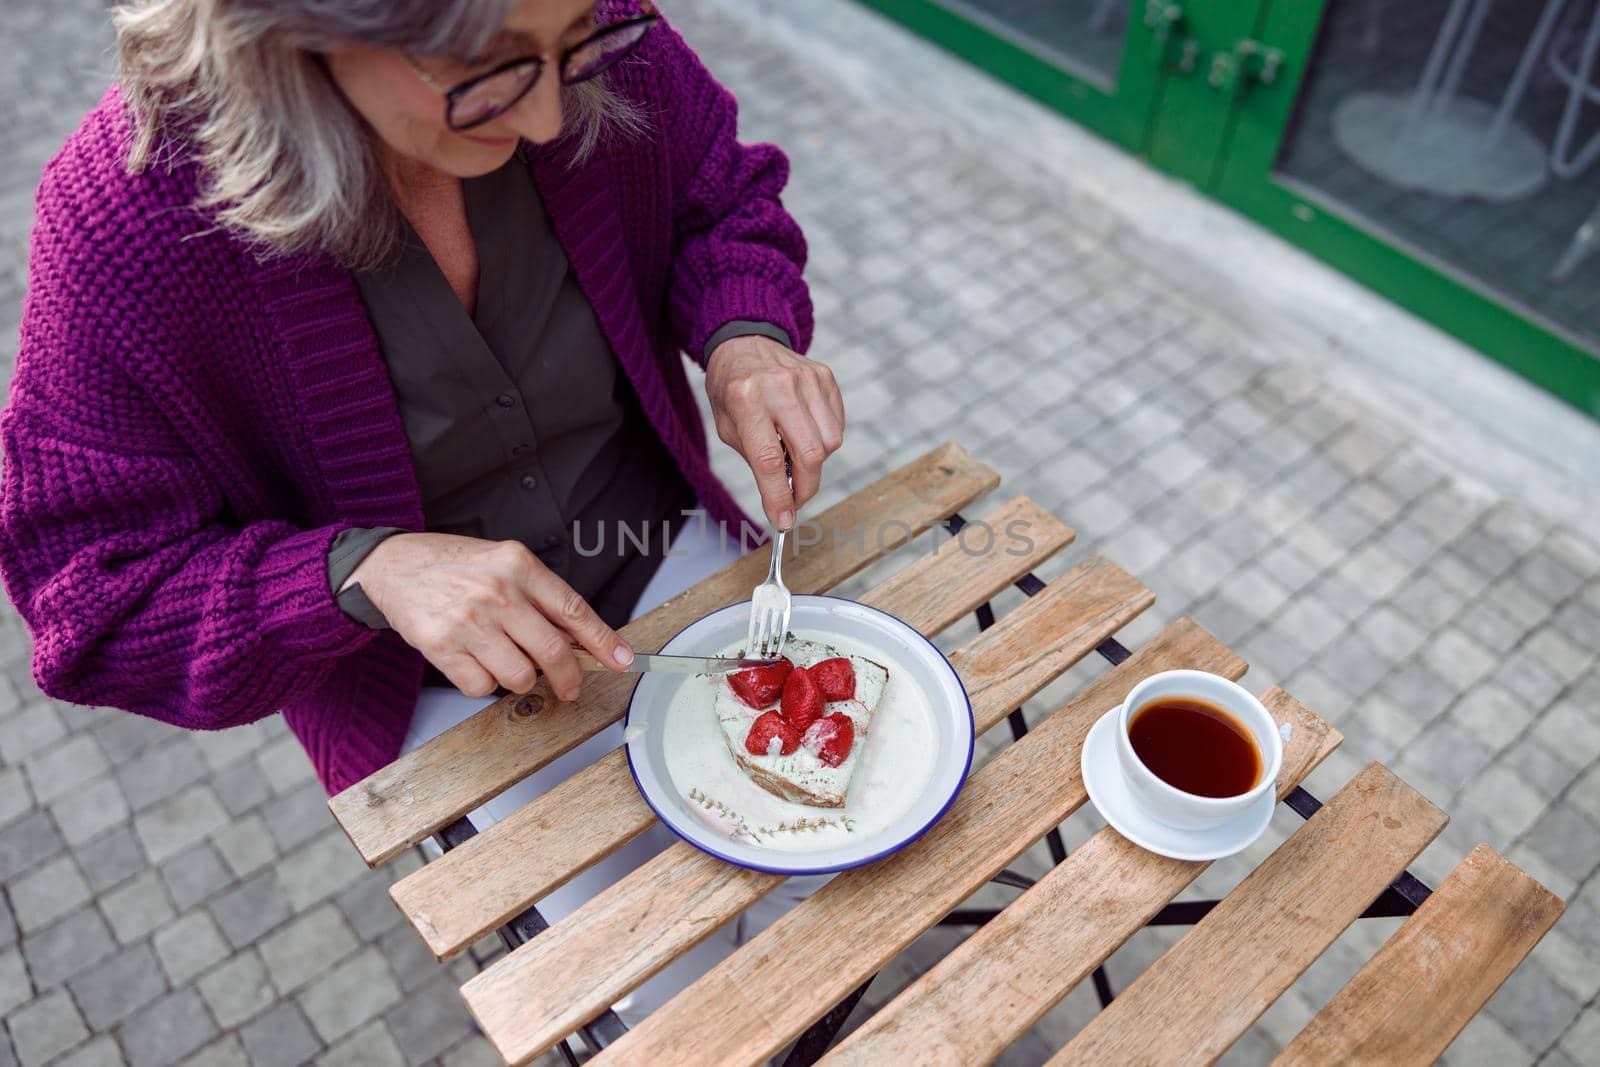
(769, 603)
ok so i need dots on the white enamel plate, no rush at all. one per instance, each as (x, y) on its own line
(924, 668)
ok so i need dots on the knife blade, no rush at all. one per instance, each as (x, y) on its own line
(656, 661)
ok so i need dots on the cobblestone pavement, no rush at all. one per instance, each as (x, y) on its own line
(171, 897)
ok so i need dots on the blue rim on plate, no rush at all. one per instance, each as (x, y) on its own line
(902, 842)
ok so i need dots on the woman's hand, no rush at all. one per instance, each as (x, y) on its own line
(485, 613)
(760, 392)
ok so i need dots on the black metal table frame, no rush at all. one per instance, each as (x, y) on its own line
(1400, 898)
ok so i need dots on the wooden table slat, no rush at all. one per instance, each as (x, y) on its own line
(765, 994)
(438, 782)
(1198, 999)
(491, 877)
(1425, 984)
(545, 989)
(996, 984)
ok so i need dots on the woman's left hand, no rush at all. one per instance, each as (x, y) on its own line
(761, 392)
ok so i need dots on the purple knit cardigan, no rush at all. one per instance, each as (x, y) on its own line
(189, 427)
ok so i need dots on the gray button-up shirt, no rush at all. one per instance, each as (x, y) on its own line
(521, 423)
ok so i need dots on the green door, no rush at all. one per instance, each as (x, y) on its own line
(1444, 152)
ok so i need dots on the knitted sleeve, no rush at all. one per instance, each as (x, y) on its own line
(140, 596)
(119, 550)
(737, 254)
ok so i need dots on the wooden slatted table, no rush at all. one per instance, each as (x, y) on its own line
(1348, 859)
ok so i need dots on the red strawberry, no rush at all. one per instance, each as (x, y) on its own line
(760, 686)
(802, 701)
(835, 677)
(830, 738)
(768, 727)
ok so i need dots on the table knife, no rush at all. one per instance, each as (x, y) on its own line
(656, 661)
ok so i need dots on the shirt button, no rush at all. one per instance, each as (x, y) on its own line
(505, 400)
(520, 450)
(529, 481)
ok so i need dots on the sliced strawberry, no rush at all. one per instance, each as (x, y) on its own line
(835, 677)
(802, 701)
(760, 687)
(830, 738)
(767, 728)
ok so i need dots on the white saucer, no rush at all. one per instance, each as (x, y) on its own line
(1103, 781)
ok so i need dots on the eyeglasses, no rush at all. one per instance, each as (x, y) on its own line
(491, 94)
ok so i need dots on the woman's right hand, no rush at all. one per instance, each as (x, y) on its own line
(486, 613)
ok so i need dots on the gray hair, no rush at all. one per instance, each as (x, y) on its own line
(288, 164)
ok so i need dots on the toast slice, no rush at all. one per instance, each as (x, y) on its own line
(801, 776)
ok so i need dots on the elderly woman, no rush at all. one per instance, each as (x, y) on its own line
(354, 325)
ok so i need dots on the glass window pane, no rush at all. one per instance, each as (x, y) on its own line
(1084, 36)
(1464, 131)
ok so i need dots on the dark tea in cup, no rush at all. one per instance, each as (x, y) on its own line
(1195, 746)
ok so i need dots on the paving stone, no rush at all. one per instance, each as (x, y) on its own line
(167, 1031)
(1533, 1006)
(372, 1046)
(430, 1021)
(67, 947)
(1454, 655)
(1340, 596)
(8, 923)
(15, 798)
(225, 748)
(1483, 1042)
(242, 787)
(1419, 690)
(413, 965)
(162, 771)
(1569, 963)
(32, 730)
(285, 765)
(319, 869)
(88, 812)
(1428, 601)
(310, 946)
(56, 771)
(1568, 840)
(367, 907)
(1448, 754)
(101, 1052)
(348, 996)
(1578, 623)
(1289, 567)
(280, 1038)
(26, 844)
(297, 817)
(15, 985)
(246, 845)
(1585, 793)
(189, 945)
(179, 821)
(1354, 661)
(224, 1052)
(1526, 680)
(45, 1027)
(249, 911)
(237, 990)
(137, 908)
(1583, 1036)
(47, 893)
(1490, 626)
(1543, 771)
(195, 874)
(1309, 623)
(110, 859)
(1548, 577)
(114, 990)
(1492, 716)
(1571, 733)
(1565, 659)
(126, 735)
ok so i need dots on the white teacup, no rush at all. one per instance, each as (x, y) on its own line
(1169, 804)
